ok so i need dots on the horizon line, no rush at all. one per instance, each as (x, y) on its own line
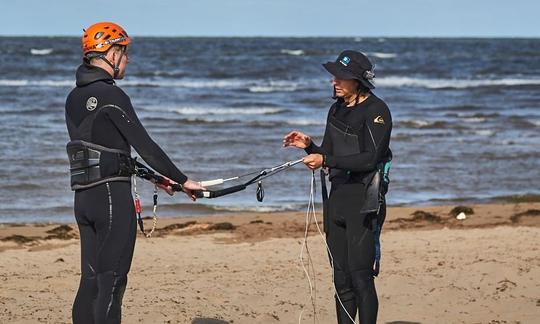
(294, 36)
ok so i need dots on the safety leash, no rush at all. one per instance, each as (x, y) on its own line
(310, 264)
(311, 216)
(138, 209)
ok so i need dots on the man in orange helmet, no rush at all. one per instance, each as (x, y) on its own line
(103, 126)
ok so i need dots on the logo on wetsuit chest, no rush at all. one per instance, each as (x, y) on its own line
(379, 120)
(91, 103)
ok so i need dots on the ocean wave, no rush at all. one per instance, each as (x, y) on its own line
(423, 124)
(276, 86)
(271, 89)
(382, 55)
(305, 122)
(205, 209)
(251, 85)
(473, 115)
(188, 83)
(42, 83)
(260, 209)
(396, 82)
(474, 119)
(292, 52)
(42, 51)
(484, 132)
(224, 111)
(521, 122)
(193, 120)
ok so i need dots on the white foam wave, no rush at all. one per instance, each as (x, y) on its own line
(42, 51)
(419, 122)
(397, 82)
(224, 111)
(271, 89)
(304, 122)
(187, 83)
(251, 85)
(382, 55)
(263, 209)
(37, 83)
(474, 120)
(292, 52)
(275, 86)
(484, 132)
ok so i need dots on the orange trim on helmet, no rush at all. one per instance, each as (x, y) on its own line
(101, 36)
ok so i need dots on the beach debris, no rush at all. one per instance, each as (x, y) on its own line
(62, 232)
(20, 239)
(258, 221)
(225, 226)
(421, 215)
(59, 260)
(530, 212)
(417, 217)
(461, 216)
(461, 209)
(505, 284)
(178, 226)
(193, 227)
(62, 229)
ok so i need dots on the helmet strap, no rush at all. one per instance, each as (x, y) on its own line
(115, 66)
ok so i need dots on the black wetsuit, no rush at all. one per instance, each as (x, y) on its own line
(105, 213)
(349, 229)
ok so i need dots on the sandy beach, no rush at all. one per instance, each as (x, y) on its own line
(245, 268)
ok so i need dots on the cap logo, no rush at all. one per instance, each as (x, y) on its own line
(91, 103)
(345, 60)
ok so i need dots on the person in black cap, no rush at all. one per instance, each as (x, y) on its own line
(355, 150)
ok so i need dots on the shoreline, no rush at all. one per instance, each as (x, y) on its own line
(291, 224)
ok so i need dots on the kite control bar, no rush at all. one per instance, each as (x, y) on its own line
(258, 178)
(145, 172)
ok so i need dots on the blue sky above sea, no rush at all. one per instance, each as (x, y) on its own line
(312, 18)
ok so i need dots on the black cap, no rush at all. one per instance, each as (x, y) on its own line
(352, 65)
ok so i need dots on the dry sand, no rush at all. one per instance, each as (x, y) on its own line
(245, 269)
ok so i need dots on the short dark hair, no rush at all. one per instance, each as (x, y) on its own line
(92, 56)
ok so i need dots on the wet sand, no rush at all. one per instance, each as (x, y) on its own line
(245, 268)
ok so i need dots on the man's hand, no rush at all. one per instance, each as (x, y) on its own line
(313, 161)
(296, 139)
(167, 189)
(189, 186)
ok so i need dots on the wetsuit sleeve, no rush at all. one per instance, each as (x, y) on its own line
(129, 125)
(326, 145)
(378, 127)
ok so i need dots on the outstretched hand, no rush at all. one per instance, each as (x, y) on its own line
(296, 139)
(190, 186)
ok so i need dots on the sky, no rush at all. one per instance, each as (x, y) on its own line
(375, 18)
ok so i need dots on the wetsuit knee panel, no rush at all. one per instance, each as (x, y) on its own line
(362, 280)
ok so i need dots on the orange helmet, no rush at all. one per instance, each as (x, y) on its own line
(101, 36)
